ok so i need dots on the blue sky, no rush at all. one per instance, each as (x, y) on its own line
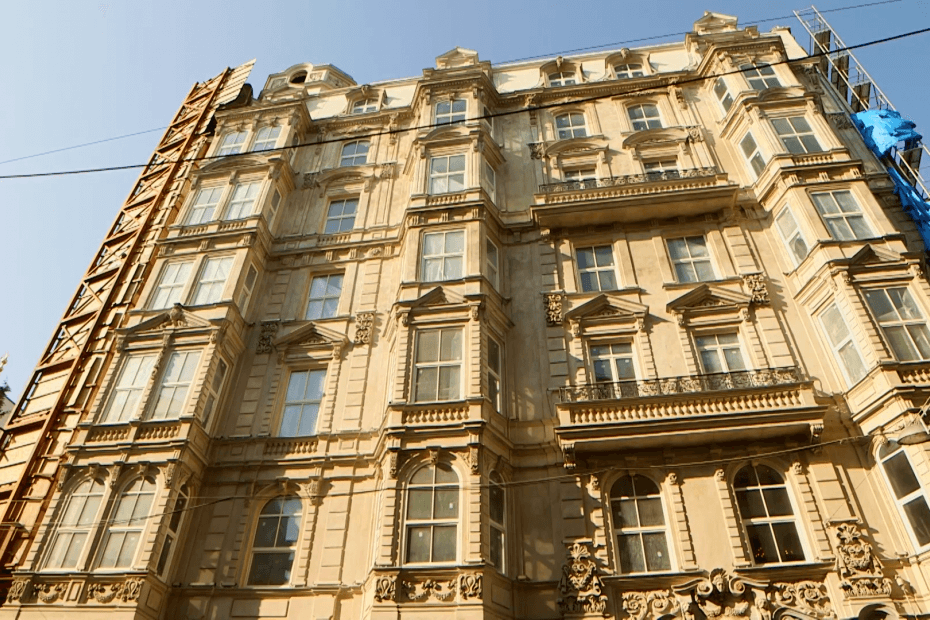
(81, 71)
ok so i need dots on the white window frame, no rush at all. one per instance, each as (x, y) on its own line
(354, 153)
(722, 94)
(266, 139)
(210, 289)
(845, 343)
(571, 125)
(304, 402)
(627, 70)
(444, 257)
(128, 525)
(173, 530)
(562, 78)
(647, 120)
(433, 522)
(751, 153)
(202, 212)
(172, 382)
(770, 520)
(325, 311)
(907, 326)
(291, 549)
(437, 178)
(248, 286)
(691, 260)
(495, 374)
(796, 134)
(596, 269)
(232, 143)
(662, 169)
(838, 221)
(438, 364)
(364, 106)
(792, 236)
(141, 374)
(640, 530)
(214, 390)
(492, 258)
(610, 357)
(340, 218)
(760, 78)
(450, 116)
(244, 199)
(489, 180)
(173, 278)
(84, 523)
(719, 349)
(886, 454)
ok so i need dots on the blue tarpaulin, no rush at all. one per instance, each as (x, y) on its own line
(915, 206)
(882, 129)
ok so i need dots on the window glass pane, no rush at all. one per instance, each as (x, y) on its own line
(424, 475)
(271, 569)
(656, 552)
(445, 473)
(777, 502)
(650, 512)
(427, 384)
(762, 544)
(789, 544)
(496, 503)
(902, 477)
(918, 514)
(444, 543)
(630, 549)
(625, 514)
(418, 544)
(750, 503)
(497, 549)
(449, 382)
(447, 503)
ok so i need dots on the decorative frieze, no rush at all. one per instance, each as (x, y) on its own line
(553, 306)
(126, 591)
(17, 590)
(581, 591)
(364, 322)
(649, 605)
(758, 291)
(266, 336)
(808, 596)
(858, 565)
(48, 592)
(410, 588)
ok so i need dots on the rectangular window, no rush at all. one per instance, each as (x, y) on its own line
(341, 216)
(177, 512)
(214, 389)
(494, 374)
(302, 403)
(324, 296)
(723, 94)
(492, 258)
(691, 259)
(451, 112)
(443, 256)
(242, 201)
(248, 286)
(760, 78)
(613, 362)
(752, 154)
(204, 205)
(124, 401)
(489, 180)
(496, 512)
(233, 143)
(796, 134)
(908, 493)
(175, 383)
(902, 323)
(446, 174)
(720, 353)
(212, 280)
(629, 70)
(583, 177)
(841, 341)
(842, 215)
(570, 126)
(644, 116)
(171, 285)
(266, 139)
(438, 365)
(661, 170)
(355, 153)
(791, 235)
(596, 268)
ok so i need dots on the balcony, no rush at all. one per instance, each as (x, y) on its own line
(706, 409)
(626, 198)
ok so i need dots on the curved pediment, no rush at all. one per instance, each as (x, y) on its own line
(649, 137)
(577, 145)
(342, 176)
(235, 162)
(446, 132)
(709, 298)
(778, 93)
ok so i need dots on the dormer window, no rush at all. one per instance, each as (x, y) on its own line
(451, 112)
(363, 106)
(299, 78)
(562, 78)
(570, 125)
(629, 70)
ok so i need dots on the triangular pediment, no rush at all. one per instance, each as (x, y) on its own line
(715, 22)
(172, 319)
(706, 297)
(607, 306)
(870, 254)
(457, 57)
(438, 296)
(310, 334)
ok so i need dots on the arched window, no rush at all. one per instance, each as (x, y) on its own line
(75, 525)
(562, 78)
(432, 515)
(275, 542)
(639, 525)
(908, 494)
(497, 513)
(766, 512)
(127, 522)
(570, 126)
(355, 153)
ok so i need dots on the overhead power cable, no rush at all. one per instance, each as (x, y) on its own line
(502, 63)
(521, 110)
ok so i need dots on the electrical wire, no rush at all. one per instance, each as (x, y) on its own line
(78, 146)
(521, 110)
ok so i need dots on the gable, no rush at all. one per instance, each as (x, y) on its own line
(871, 255)
(438, 296)
(175, 318)
(310, 334)
(706, 297)
(457, 57)
(607, 306)
(715, 22)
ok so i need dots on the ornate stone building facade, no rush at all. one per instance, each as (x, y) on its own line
(623, 335)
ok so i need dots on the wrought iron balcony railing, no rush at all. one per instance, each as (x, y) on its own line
(629, 179)
(744, 379)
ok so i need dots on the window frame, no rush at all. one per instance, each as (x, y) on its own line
(230, 200)
(347, 160)
(616, 530)
(444, 255)
(747, 521)
(596, 268)
(798, 233)
(492, 267)
(181, 288)
(257, 139)
(154, 396)
(452, 116)
(338, 297)
(89, 529)
(499, 527)
(199, 281)
(571, 129)
(752, 72)
(611, 359)
(340, 218)
(796, 135)
(456, 522)
(223, 149)
(438, 363)
(275, 549)
(836, 348)
(904, 324)
(907, 499)
(719, 350)
(219, 210)
(562, 78)
(302, 402)
(754, 159)
(690, 260)
(629, 73)
(127, 529)
(725, 98)
(433, 176)
(843, 215)
(175, 522)
(141, 389)
(495, 377)
(367, 105)
(646, 120)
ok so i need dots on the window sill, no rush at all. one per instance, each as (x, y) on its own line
(650, 581)
(816, 571)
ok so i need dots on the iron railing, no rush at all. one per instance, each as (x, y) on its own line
(629, 179)
(765, 377)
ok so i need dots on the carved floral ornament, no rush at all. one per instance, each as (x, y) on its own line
(464, 587)
(581, 591)
(858, 565)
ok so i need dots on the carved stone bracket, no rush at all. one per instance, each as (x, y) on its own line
(470, 586)
(553, 306)
(536, 150)
(127, 591)
(17, 590)
(858, 565)
(266, 336)
(364, 322)
(385, 588)
(581, 591)
(841, 120)
(758, 291)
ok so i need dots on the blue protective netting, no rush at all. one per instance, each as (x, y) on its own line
(882, 130)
